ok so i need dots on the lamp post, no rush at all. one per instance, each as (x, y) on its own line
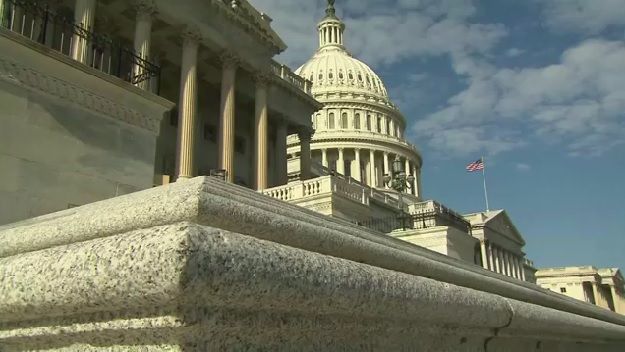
(400, 182)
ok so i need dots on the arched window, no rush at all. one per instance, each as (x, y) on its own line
(368, 122)
(331, 121)
(344, 124)
(357, 121)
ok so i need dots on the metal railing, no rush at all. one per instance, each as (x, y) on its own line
(415, 221)
(39, 23)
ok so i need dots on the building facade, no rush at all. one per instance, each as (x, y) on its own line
(601, 287)
(109, 97)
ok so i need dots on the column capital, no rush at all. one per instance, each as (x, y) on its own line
(144, 8)
(305, 134)
(191, 34)
(262, 79)
(229, 59)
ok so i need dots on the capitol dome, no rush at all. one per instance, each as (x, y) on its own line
(359, 133)
(333, 68)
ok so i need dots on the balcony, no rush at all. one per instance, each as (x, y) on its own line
(291, 78)
(40, 24)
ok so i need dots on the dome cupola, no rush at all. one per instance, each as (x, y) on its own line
(333, 69)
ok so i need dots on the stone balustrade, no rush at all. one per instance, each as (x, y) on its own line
(345, 186)
(285, 73)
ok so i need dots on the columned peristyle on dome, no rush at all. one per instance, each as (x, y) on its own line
(359, 132)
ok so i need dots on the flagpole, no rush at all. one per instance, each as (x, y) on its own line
(484, 176)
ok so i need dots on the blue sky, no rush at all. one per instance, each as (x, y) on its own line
(537, 87)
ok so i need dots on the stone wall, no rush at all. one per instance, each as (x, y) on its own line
(68, 135)
(203, 265)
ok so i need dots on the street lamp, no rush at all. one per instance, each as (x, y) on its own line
(398, 180)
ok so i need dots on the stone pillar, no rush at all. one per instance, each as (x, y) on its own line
(261, 134)
(227, 116)
(324, 157)
(515, 267)
(143, 31)
(391, 131)
(522, 269)
(490, 257)
(340, 163)
(386, 171)
(84, 15)
(372, 182)
(616, 300)
(358, 174)
(484, 254)
(506, 259)
(280, 149)
(187, 107)
(415, 183)
(599, 299)
(305, 159)
(497, 260)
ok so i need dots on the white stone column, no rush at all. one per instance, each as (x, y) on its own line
(280, 149)
(387, 170)
(340, 163)
(372, 182)
(497, 260)
(305, 158)
(324, 157)
(490, 257)
(84, 15)
(617, 301)
(391, 124)
(227, 115)
(506, 259)
(484, 254)
(522, 269)
(518, 267)
(358, 174)
(415, 183)
(261, 133)
(187, 107)
(143, 33)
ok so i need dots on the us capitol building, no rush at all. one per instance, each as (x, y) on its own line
(359, 148)
(167, 185)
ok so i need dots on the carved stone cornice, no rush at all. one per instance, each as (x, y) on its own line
(262, 79)
(64, 91)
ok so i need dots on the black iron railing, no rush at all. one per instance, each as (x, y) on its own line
(421, 220)
(41, 24)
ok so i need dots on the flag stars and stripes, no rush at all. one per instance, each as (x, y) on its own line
(475, 166)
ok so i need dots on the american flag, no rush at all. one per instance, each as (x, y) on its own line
(476, 166)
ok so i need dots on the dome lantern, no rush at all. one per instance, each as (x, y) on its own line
(331, 29)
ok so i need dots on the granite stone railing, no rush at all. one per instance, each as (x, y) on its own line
(206, 265)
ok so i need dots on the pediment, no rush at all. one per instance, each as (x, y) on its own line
(499, 222)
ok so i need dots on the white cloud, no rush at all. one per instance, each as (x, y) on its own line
(523, 167)
(579, 102)
(583, 16)
(513, 52)
(384, 31)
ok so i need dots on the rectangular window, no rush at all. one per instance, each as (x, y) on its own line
(563, 289)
